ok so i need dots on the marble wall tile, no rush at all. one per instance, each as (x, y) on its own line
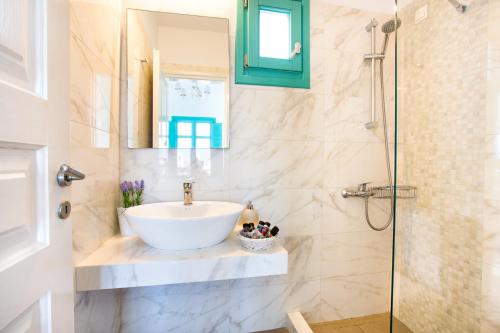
(348, 102)
(178, 289)
(355, 296)
(297, 212)
(176, 195)
(98, 312)
(304, 263)
(194, 311)
(345, 28)
(341, 215)
(96, 24)
(355, 253)
(99, 165)
(493, 32)
(93, 223)
(350, 164)
(277, 114)
(491, 233)
(166, 169)
(262, 163)
(94, 77)
(91, 87)
(265, 307)
(493, 103)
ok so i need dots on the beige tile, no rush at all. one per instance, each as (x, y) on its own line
(382, 327)
(331, 329)
(399, 327)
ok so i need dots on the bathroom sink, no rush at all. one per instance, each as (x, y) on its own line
(174, 226)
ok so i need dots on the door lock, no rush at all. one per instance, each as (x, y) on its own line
(64, 210)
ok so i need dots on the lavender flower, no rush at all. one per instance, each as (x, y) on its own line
(139, 185)
(132, 193)
(124, 187)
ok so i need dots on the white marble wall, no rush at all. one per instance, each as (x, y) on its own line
(291, 152)
(490, 303)
(94, 61)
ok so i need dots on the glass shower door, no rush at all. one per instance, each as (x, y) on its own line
(446, 275)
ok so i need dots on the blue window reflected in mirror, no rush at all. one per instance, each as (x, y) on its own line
(194, 132)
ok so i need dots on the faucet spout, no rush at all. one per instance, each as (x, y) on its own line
(188, 193)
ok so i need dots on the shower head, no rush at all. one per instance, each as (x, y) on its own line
(391, 26)
(388, 28)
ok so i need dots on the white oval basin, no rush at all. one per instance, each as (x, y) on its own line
(173, 226)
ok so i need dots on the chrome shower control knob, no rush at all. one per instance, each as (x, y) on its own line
(363, 187)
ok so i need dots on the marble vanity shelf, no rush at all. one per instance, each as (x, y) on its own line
(124, 262)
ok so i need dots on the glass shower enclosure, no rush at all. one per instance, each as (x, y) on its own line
(446, 245)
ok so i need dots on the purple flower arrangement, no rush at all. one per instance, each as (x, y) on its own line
(132, 193)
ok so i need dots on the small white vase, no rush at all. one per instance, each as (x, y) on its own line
(125, 228)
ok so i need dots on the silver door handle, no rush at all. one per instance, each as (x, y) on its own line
(67, 174)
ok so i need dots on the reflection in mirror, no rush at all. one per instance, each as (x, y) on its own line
(178, 80)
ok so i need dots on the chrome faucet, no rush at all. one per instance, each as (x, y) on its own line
(188, 192)
(362, 191)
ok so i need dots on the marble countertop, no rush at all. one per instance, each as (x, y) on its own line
(124, 262)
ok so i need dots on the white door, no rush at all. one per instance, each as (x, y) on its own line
(36, 274)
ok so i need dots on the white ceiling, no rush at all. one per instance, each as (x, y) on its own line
(381, 6)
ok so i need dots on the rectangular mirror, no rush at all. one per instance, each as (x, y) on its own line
(178, 80)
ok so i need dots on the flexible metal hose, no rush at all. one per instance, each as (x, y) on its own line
(387, 159)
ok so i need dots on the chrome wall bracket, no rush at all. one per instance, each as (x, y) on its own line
(373, 57)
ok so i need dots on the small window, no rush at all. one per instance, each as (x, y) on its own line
(274, 34)
(272, 43)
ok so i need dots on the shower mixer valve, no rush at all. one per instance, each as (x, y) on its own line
(362, 191)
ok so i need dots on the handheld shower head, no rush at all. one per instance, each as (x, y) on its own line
(391, 26)
(388, 28)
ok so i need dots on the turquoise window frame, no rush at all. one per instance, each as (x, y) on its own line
(256, 70)
(215, 139)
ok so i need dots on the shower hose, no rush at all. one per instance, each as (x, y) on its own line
(387, 159)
